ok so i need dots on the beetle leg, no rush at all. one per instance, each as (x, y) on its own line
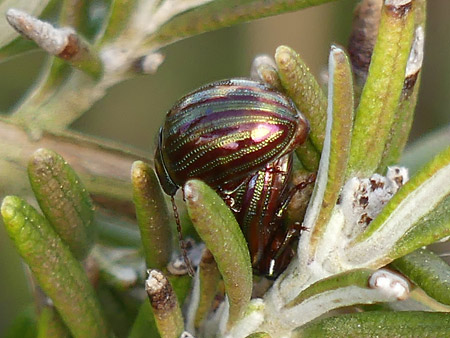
(182, 242)
(299, 187)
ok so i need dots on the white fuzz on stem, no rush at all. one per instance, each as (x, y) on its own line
(52, 40)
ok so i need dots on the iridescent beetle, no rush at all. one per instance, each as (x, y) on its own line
(261, 201)
(259, 207)
(225, 133)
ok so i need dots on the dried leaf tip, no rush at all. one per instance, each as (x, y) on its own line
(52, 40)
(190, 193)
(264, 69)
(337, 53)
(160, 292)
(415, 60)
(416, 56)
(398, 8)
(164, 303)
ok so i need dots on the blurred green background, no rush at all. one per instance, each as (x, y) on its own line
(132, 111)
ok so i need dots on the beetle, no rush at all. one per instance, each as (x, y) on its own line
(259, 206)
(224, 131)
(230, 134)
(259, 211)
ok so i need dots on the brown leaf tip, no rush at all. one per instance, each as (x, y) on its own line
(398, 8)
(160, 292)
(43, 162)
(72, 48)
(207, 258)
(415, 60)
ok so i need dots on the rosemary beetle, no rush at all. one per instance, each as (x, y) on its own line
(224, 133)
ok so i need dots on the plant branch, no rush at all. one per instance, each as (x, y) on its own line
(64, 43)
(103, 167)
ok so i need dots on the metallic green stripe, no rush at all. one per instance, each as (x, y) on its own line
(226, 159)
(223, 160)
(186, 116)
(227, 92)
(198, 152)
(219, 142)
(199, 130)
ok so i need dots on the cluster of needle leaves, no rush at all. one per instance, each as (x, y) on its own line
(98, 231)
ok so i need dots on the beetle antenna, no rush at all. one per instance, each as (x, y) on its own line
(182, 242)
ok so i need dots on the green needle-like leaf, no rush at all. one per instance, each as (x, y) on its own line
(403, 119)
(219, 230)
(63, 199)
(336, 148)
(381, 92)
(304, 90)
(400, 129)
(379, 324)
(50, 324)
(353, 278)
(119, 15)
(308, 155)
(24, 325)
(153, 216)
(428, 229)
(428, 271)
(352, 287)
(144, 325)
(58, 273)
(223, 13)
(165, 306)
(17, 47)
(259, 335)
(419, 298)
(209, 277)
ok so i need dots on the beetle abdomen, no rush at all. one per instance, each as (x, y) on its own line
(265, 194)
